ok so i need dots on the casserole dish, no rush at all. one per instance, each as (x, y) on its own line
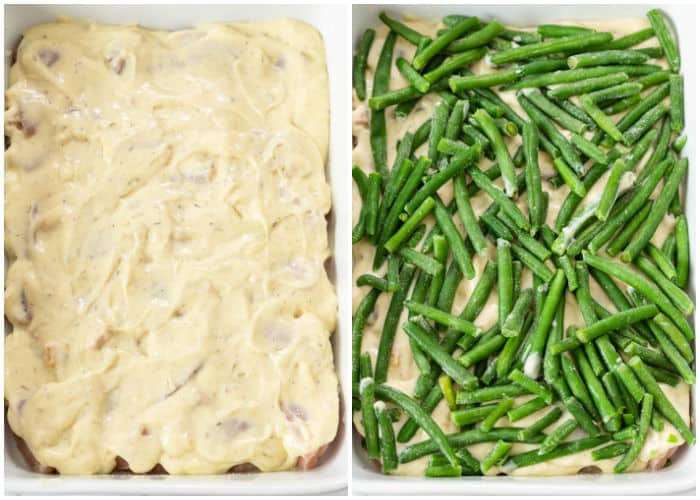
(524, 16)
(331, 473)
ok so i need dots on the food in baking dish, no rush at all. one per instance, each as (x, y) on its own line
(520, 250)
(165, 227)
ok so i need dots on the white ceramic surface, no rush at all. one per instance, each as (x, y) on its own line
(679, 477)
(331, 475)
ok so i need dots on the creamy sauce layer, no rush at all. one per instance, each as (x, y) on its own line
(403, 372)
(165, 223)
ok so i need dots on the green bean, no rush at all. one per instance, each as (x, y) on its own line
(619, 91)
(391, 322)
(531, 244)
(623, 237)
(417, 414)
(449, 288)
(645, 122)
(639, 437)
(489, 394)
(454, 239)
(630, 40)
(620, 105)
(557, 436)
(469, 82)
(526, 409)
(360, 65)
(393, 243)
(510, 349)
(468, 416)
(610, 384)
(540, 425)
(421, 261)
(449, 365)
(669, 251)
(607, 57)
(499, 197)
(389, 457)
(664, 376)
(520, 37)
(377, 118)
(373, 187)
(519, 378)
(457, 117)
(453, 64)
(606, 410)
(569, 448)
(662, 261)
(392, 97)
(576, 384)
(575, 75)
(443, 318)
(417, 81)
(436, 181)
(496, 456)
(358, 326)
(443, 41)
(645, 105)
(559, 31)
(421, 135)
(570, 177)
(589, 85)
(476, 39)
(369, 418)
(576, 42)
(663, 34)
(462, 439)
(677, 106)
(615, 322)
(532, 177)
(640, 196)
(438, 124)
(409, 34)
(373, 281)
(679, 143)
(610, 451)
(482, 350)
(646, 231)
(533, 359)
(552, 362)
(582, 417)
(445, 383)
(550, 130)
(515, 320)
(505, 280)
(600, 118)
(365, 365)
(466, 215)
(443, 471)
(682, 251)
(501, 409)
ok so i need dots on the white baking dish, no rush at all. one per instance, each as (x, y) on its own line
(331, 475)
(679, 477)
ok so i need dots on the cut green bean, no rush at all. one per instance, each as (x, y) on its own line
(497, 455)
(369, 418)
(519, 378)
(666, 40)
(360, 65)
(442, 41)
(466, 215)
(677, 105)
(443, 318)
(577, 42)
(501, 409)
(477, 39)
(589, 85)
(600, 118)
(557, 436)
(639, 437)
(682, 251)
